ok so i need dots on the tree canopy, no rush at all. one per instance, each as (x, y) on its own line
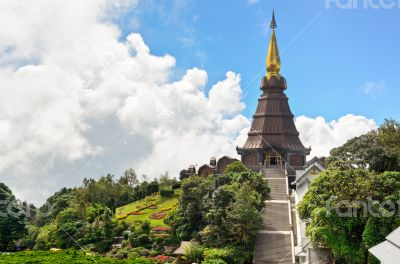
(13, 223)
(350, 211)
(378, 150)
(222, 210)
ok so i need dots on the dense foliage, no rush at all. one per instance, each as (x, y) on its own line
(353, 205)
(12, 219)
(351, 211)
(378, 150)
(64, 257)
(222, 210)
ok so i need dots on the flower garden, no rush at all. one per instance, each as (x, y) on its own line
(153, 209)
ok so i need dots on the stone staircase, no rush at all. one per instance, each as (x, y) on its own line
(274, 242)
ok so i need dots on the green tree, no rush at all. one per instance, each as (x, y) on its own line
(236, 167)
(377, 150)
(13, 223)
(217, 229)
(243, 216)
(190, 218)
(337, 208)
(129, 178)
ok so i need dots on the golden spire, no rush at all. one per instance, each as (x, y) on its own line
(273, 61)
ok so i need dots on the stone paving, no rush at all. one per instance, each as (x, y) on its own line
(274, 242)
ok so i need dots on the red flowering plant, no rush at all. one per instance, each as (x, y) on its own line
(160, 229)
(162, 258)
(135, 213)
(158, 215)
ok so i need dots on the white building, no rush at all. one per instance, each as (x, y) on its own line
(304, 251)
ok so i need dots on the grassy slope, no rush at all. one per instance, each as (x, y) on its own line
(157, 199)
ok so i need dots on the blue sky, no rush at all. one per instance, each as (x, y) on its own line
(346, 61)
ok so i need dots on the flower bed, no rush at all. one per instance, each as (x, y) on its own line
(120, 217)
(160, 229)
(141, 207)
(158, 215)
(135, 213)
(162, 258)
(153, 207)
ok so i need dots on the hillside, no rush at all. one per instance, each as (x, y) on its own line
(154, 208)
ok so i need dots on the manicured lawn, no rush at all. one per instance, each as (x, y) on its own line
(155, 204)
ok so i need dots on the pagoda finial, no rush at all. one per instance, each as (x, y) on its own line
(273, 22)
(273, 60)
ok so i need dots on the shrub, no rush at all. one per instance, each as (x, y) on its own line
(167, 193)
(230, 255)
(142, 261)
(102, 246)
(224, 254)
(214, 261)
(194, 252)
(176, 185)
(142, 240)
(154, 253)
(146, 227)
(137, 252)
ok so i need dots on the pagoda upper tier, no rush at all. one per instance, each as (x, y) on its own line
(273, 138)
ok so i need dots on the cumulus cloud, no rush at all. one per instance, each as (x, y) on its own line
(322, 135)
(69, 86)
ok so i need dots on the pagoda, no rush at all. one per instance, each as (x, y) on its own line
(273, 139)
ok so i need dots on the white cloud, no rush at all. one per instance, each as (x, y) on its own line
(252, 2)
(322, 136)
(373, 88)
(68, 86)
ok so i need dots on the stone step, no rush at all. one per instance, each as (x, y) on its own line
(275, 217)
(274, 174)
(273, 242)
(273, 249)
(278, 189)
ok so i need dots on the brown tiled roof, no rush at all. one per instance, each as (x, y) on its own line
(273, 123)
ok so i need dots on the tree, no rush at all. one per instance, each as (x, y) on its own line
(67, 222)
(236, 167)
(191, 210)
(221, 209)
(347, 213)
(377, 150)
(218, 228)
(129, 178)
(13, 223)
(183, 174)
(56, 203)
(243, 216)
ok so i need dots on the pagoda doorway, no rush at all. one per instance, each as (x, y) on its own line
(273, 160)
